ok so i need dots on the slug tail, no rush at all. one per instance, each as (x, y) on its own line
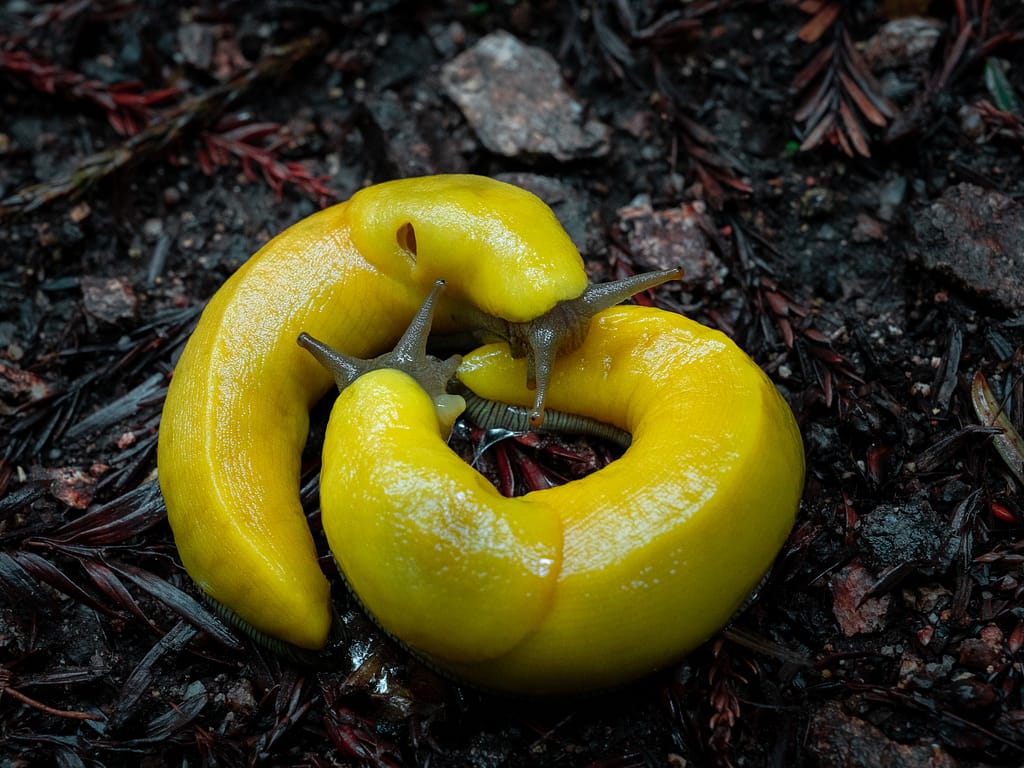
(282, 648)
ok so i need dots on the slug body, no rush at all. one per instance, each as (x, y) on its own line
(236, 416)
(592, 583)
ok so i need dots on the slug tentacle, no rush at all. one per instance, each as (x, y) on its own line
(344, 368)
(409, 356)
(564, 327)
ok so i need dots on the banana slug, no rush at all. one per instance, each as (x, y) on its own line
(236, 415)
(593, 583)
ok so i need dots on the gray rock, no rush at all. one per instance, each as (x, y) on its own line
(516, 101)
(673, 237)
(910, 533)
(108, 298)
(903, 42)
(975, 237)
(839, 740)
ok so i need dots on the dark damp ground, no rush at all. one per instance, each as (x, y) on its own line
(842, 184)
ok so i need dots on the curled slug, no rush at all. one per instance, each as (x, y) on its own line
(592, 583)
(236, 415)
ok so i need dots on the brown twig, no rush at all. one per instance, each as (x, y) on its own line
(14, 693)
(126, 105)
(839, 90)
(235, 137)
(187, 118)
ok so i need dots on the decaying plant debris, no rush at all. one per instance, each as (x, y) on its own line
(849, 201)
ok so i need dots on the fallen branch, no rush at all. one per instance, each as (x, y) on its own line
(189, 117)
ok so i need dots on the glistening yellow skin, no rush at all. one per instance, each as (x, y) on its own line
(236, 416)
(592, 583)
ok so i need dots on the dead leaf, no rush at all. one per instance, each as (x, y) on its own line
(1009, 443)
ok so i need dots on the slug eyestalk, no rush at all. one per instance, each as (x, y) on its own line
(409, 356)
(563, 328)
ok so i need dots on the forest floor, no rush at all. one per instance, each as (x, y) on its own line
(843, 187)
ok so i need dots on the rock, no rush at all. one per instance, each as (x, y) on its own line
(152, 229)
(972, 124)
(71, 485)
(867, 229)
(822, 441)
(891, 197)
(211, 48)
(911, 533)
(903, 42)
(108, 299)
(855, 614)
(673, 237)
(973, 696)
(984, 653)
(839, 740)
(919, 675)
(973, 236)
(238, 696)
(196, 43)
(514, 97)
(931, 599)
(19, 385)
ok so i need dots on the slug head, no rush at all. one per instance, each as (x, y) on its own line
(563, 328)
(409, 356)
(521, 278)
(512, 257)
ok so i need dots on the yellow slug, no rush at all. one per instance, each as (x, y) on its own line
(592, 583)
(236, 416)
